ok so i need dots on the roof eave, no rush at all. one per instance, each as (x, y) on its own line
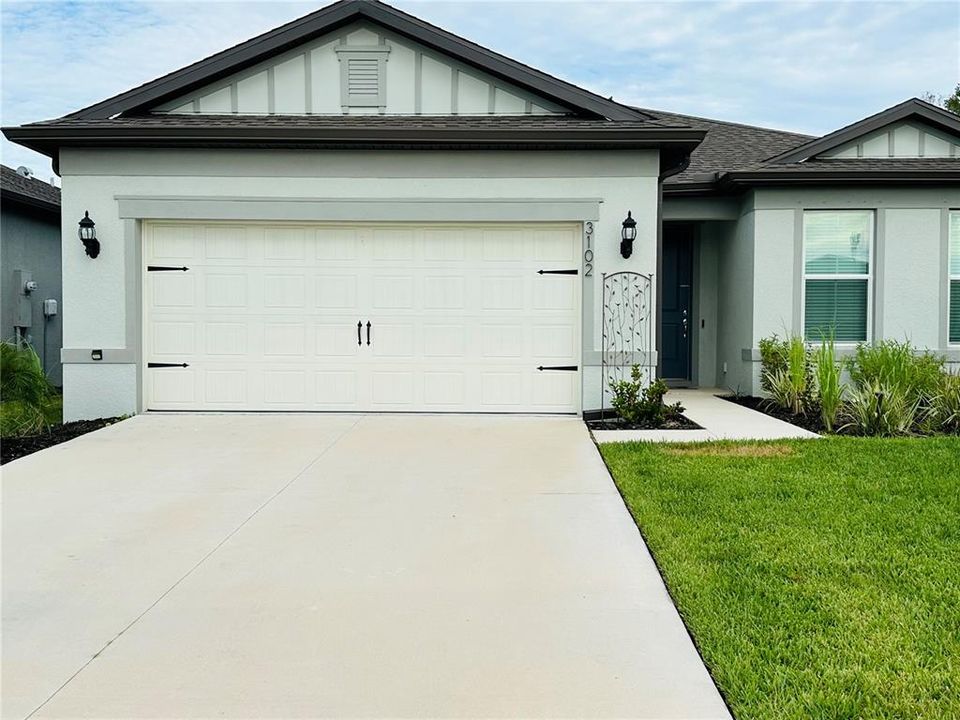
(12, 197)
(48, 139)
(845, 177)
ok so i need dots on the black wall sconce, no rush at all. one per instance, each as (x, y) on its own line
(627, 235)
(88, 235)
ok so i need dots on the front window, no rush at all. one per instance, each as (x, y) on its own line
(955, 277)
(837, 262)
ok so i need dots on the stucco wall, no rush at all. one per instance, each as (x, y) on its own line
(735, 303)
(31, 242)
(910, 262)
(103, 293)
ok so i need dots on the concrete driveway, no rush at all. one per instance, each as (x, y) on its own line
(334, 566)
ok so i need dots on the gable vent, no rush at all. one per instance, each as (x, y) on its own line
(363, 76)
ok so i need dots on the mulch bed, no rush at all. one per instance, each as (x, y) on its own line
(813, 423)
(17, 447)
(611, 422)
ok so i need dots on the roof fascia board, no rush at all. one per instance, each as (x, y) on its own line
(331, 18)
(908, 109)
(48, 139)
(833, 177)
(12, 198)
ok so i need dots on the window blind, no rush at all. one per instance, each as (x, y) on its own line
(838, 307)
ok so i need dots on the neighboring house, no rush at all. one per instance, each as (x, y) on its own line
(30, 253)
(352, 212)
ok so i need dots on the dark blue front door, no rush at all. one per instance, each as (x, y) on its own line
(676, 302)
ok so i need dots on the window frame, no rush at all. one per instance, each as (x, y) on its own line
(868, 276)
(951, 276)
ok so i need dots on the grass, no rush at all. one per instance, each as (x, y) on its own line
(820, 579)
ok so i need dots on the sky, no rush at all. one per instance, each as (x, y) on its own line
(809, 67)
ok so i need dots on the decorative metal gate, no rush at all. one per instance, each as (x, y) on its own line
(627, 321)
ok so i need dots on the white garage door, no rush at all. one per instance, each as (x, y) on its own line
(369, 317)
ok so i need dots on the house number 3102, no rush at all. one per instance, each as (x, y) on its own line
(588, 249)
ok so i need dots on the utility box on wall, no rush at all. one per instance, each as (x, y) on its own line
(23, 287)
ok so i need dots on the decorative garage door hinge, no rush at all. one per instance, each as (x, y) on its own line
(157, 365)
(558, 272)
(565, 368)
(165, 268)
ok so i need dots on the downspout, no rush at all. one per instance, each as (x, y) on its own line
(665, 172)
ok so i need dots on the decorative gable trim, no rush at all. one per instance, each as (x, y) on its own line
(259, 49)
(913, 108)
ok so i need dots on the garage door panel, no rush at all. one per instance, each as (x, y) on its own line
(225, 243)
(226, 388)
(336, 292)
(393, 292)
(285, 339)
(226, 338)
(392, 388)
(336, 339)
(285, 245)
(225, 290)
(286, 291)
(172, 242)
(336, 390)
(266, 317)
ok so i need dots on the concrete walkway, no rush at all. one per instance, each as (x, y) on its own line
(720, 420)
(334, 566)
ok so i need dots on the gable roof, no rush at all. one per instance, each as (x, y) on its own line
(28, 191)
(912, 108)
(733, 156)
(339, 14)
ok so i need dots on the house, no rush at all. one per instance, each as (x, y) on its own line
(360, 211)
(30, 265)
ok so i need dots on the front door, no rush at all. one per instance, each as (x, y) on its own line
(676, 302)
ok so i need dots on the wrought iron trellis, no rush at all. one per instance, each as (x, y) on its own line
(627, 323)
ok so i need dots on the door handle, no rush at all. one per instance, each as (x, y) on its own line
(359, 326)
(368, 332)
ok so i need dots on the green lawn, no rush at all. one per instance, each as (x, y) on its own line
(820, 579)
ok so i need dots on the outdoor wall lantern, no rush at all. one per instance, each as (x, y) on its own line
(88, 235)
(627, 235)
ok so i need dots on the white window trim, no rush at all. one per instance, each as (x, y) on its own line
(951, 277)
(868, 276)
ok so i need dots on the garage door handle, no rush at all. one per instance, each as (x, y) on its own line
(359, 330)
(166, 268)
(368, 332)
(565, 368)
(160, 365)
(558, 272)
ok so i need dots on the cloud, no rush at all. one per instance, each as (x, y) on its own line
(805, 66)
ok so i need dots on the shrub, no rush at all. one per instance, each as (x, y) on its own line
(829, 389)
(878, 410)
(944, 405)
(896, 365)
(24, 391)
(773, 359)
(785, 373)
(639, 405)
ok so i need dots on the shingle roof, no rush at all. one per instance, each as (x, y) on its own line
(733, 154)
(378, 122)
(356, 131)
(728, 146)
(15, 186)
(858, 164)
